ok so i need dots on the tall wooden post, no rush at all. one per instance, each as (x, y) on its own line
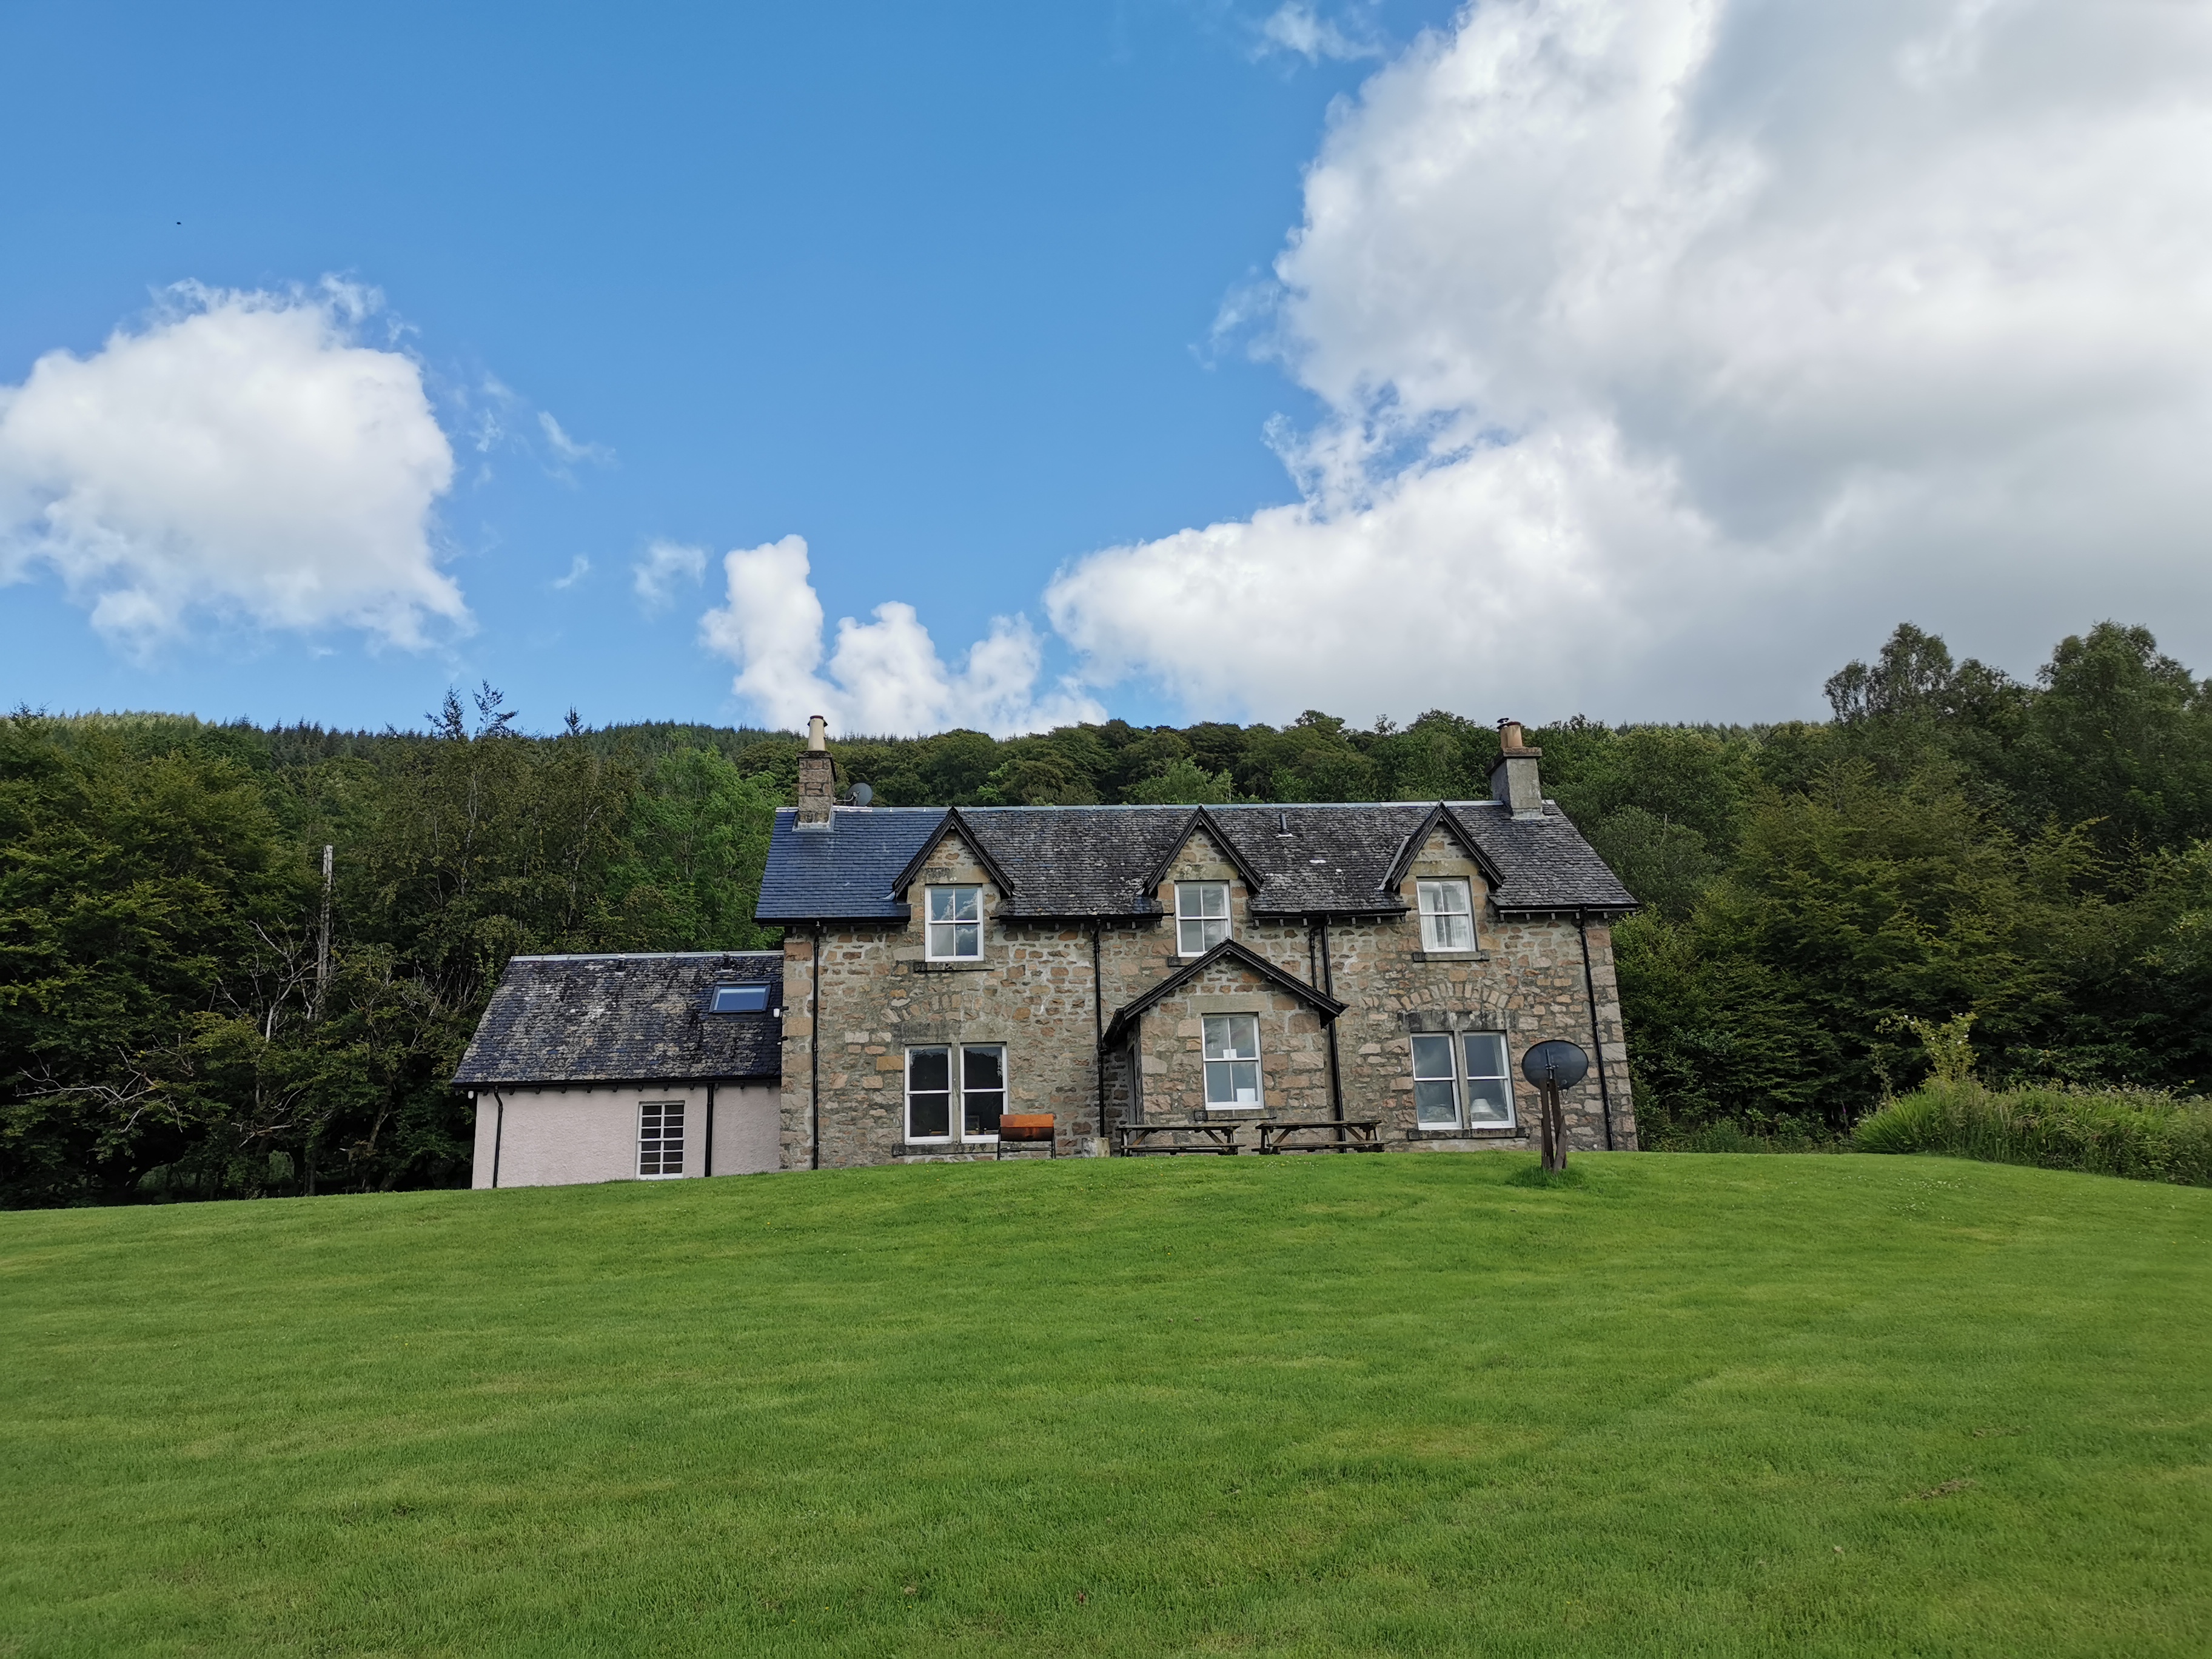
(323, 940)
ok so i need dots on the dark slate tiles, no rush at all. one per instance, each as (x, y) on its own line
(1067, 861)
(844, 873)
(1547, 864)
(625, 1019)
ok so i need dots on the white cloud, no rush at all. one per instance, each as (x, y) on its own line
(1676, 348)
(579, 568)
(665, 564)
(1299, 27)
(566, 448)
(242, 458)
(886, 677)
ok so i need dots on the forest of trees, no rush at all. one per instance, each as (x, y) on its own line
(1952, 842)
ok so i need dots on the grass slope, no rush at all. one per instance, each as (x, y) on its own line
(1406, 1405)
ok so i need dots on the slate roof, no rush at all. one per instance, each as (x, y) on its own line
(625, 1019)
(1073, 861)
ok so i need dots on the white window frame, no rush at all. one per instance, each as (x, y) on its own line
(1188, 917)
(957, 1131)
(1425, 1043)
(952, 1053)
(1469, 1078)
(1429, 894)
(978, 1137)
(1207, 1062)
(932, 922)
(660, 1171)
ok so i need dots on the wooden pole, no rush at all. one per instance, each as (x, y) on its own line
(1555, 1128)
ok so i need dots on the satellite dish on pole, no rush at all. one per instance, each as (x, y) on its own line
(1561, 1064)
(1553, 1067)
(862, 794)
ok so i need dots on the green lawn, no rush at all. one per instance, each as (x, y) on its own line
(1695, 1405)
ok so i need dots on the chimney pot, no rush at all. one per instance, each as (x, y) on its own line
(818, 733)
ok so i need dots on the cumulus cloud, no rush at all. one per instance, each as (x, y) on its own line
(1674, 348)
(653, 578)
(885, 676)
(240, 457)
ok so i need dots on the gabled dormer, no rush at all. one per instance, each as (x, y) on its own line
(953, 888)
(1444, 879)
(1203, 885)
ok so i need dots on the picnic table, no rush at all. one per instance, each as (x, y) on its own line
(1352, 1136)
(1139, 1139)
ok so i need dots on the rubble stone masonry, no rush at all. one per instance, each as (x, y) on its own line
(1034, 991)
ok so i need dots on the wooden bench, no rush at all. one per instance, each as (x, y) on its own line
(1353, 1135)
(1020, 1129)
(1139, 1139)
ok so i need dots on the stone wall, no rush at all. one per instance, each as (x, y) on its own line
(1035, 991)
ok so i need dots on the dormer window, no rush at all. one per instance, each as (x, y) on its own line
(1201, 916)
(955, 924)
(1447, 915)
(738, 999)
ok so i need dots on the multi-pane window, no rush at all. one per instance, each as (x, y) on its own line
(933, 1101)
(1447, 915)
(1460, 1078)
(660, 1137)
(1489, 1088)
(1201, 916)
(738, 999)
(955, 924)
(982, 1091)
(1232, 1062)
(1435, 1082)
(929, 1094)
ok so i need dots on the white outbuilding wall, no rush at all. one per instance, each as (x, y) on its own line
(557, 1137)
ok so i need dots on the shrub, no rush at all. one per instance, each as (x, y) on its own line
(2143, 1134)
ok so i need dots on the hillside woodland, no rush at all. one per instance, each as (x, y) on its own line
(188, 1010)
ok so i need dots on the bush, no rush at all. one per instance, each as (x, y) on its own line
(2143, 1134)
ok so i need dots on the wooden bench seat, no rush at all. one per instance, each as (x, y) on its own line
(1353, 1135)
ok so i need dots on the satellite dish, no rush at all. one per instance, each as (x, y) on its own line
(1559, 1064)
(862, 794)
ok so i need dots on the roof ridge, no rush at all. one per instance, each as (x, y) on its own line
(633, 955)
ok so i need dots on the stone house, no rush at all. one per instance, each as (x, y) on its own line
(628, 1067)
(1188, 973)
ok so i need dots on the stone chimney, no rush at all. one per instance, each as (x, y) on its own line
(817, 778)
(1513, 777)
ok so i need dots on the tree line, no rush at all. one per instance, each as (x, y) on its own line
(188, 1009)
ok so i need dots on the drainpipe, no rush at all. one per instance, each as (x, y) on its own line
(1099, 1036)
(498, 1131)
(708, 1167)
(814, 1059)
(1597, 1041)
(1328, 988)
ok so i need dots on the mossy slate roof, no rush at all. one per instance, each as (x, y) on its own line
(625, 1019)
(1074, 861)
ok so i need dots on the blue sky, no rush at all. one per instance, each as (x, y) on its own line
(1168, 358)
(930, 285)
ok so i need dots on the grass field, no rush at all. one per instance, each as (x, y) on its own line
(1693, 1405)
